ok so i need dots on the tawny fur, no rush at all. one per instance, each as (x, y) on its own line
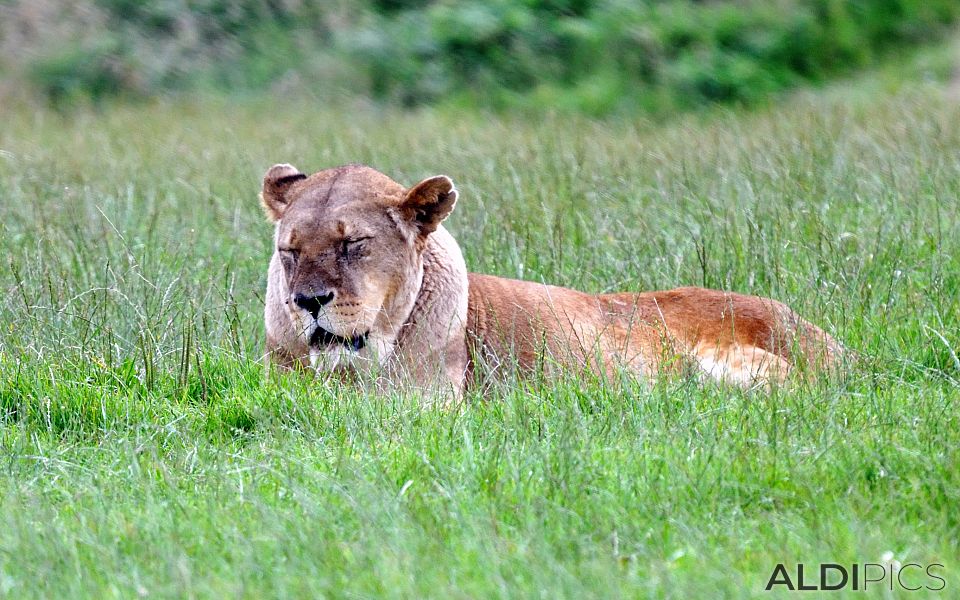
(429, 324)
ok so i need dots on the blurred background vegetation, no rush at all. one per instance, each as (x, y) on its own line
(592, 56)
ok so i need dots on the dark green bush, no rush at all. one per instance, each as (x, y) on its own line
(592, 55)
(77, 72)
(607, 55)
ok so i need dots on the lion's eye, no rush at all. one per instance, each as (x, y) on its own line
(352, 245)
(288, 254)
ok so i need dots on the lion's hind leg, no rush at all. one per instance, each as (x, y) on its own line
(739, 364)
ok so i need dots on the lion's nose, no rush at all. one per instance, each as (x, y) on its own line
(312, 304)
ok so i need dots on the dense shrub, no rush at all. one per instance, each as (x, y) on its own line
(592, 55)
(603, 55)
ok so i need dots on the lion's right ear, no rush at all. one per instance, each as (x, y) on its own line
(276, 184)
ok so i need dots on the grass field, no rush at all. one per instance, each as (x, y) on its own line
(142, 452)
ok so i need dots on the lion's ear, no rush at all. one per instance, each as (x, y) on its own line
(429, 202)
(276, 184)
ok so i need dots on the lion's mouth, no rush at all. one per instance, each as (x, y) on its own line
(321, 337)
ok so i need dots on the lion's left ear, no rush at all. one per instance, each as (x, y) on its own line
(428, 203)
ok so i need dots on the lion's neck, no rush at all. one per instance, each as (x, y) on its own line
(432, 334)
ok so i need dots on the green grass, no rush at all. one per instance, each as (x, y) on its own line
(142, 451)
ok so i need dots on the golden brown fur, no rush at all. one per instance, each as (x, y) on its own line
(365, 281)
(732, 337)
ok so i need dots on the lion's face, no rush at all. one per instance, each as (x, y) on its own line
(349, 242)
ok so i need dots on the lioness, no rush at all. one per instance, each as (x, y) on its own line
(364, 279)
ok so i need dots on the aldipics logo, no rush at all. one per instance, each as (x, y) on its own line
(889, 574)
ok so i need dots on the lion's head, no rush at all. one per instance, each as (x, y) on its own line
(349, 250)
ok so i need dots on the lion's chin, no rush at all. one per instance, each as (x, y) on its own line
(332, 358)
(353, 356)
